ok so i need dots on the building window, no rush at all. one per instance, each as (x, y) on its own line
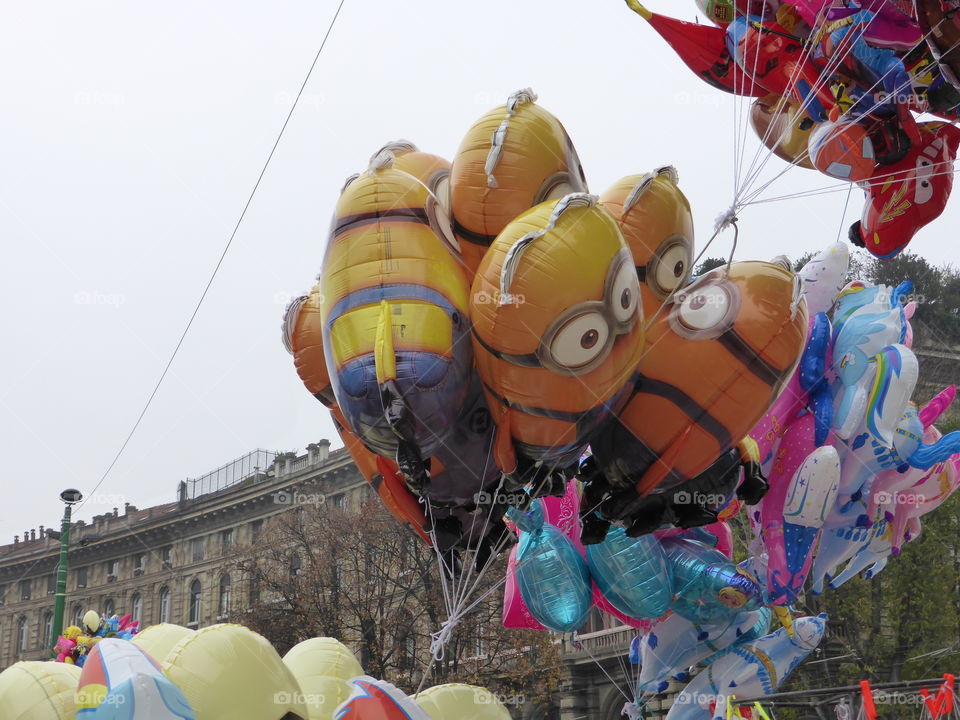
(48, 629)
(139, 564)
(78, 612)
(227, 538)
(108, 608)
(81, 577)
(340, 502)
(113, 570)
(51, 584)
(255, 528)
(254, 592)
(194, 603)
(3, 594)
(24, 589)
(198, 549)
(21, 635)
(224, 605)
(295, 565)
(136, 607)
(164, 605)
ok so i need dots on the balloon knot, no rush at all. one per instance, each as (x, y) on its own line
(440, 639)
(632, 711)
(725, 219)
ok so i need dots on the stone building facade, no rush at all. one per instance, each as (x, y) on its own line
(176, 563)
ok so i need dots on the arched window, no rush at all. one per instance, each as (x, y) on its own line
(108, 609)
(136, 607)
(194, 603)
(223, 607)
(77, 614)
(164, 615)
(48, 628)
(21, 635)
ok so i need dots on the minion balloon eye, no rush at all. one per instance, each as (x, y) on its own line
(669, 268)
(706, 310)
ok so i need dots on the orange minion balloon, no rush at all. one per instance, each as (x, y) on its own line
(394, 312)
(513, 158)
(303, 338)
(655, 219)
(716, 358)
(557, 331)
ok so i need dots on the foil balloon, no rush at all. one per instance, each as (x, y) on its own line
(456, 701)
(557, 332)
(924, 497)
(703, 49)
(707, 586)
(717, 358)
(514, 157)
(303, 338)
(158, 640)
(551, 574)
(905, 196)
(119, 679)
(372, 699)
(655, 219)
(783, 127)
(824, 276)
(323, 668)
(34, 690)
(394, 332)
(838, 545)
(872, 554)
(675, 644)
(227, 670)
(792, 522)
(432, 170)
(631, 573)
(842, 149)
(749, 670)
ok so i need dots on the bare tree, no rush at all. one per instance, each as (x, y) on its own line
(361, 577)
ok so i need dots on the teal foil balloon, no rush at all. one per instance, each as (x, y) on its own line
(631, 573)
(709, 588)
(551, 574)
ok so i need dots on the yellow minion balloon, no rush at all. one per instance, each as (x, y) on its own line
(513, 158)
(655, 219)
(432, 170)
(557, 330)
(394, 313)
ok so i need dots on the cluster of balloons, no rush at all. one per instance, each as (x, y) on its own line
(478, 325)
(852, 464)
(75, 643)
(169, 672)
(837, 86)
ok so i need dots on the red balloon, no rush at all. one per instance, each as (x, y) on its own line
(905, 196)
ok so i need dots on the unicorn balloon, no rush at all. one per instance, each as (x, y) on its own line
(749, 670)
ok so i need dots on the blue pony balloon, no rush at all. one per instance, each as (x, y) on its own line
(551, 574)
(811, 373)
(631, 573)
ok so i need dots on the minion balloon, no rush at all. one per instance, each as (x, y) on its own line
(513, 158)
(655, 219)
(432, 170)
(394, 316)
(557, 332)
(716, 358)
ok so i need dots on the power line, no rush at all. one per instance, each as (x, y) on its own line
(223, 255)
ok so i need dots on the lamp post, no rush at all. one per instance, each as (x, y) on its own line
(70, 498)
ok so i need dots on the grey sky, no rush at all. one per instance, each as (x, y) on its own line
(133, 132)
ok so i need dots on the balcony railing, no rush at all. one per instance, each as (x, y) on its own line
(230, 474)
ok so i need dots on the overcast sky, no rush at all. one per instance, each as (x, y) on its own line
(132, 134)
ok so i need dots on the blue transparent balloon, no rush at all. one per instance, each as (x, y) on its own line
(551, 574)
(631, 573)
(709, 587)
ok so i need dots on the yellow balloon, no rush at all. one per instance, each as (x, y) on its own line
(323, 668)
(38, 691)
(91, 621)
(229, 671)
(456, 701)
(158, 640)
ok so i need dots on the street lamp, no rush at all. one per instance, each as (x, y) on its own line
(70, 497)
